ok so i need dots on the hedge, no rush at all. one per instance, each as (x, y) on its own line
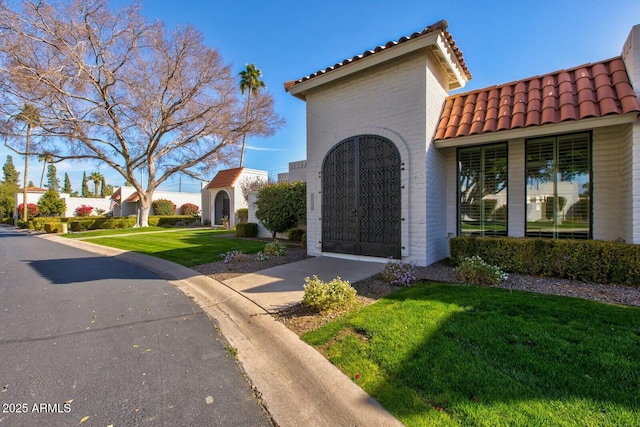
(243, 215)
(295, 234)
(584, 260)
(95, 223)
(247, 229)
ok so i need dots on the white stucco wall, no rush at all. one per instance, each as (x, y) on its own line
(236, 198)
(388, 100)
(631, 57)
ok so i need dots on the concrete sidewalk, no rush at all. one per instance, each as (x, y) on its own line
(297, 385)
(279, 287)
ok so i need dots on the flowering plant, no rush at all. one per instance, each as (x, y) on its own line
(233, 256)
(326, 296)
(475, 270)
(398, 273)
(275, 248)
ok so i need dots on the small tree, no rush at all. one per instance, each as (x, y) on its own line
(11, 175)
(282, 206)
(9, 187)
(85, 186)
(67, 184)
(53, 183)
(50, 204)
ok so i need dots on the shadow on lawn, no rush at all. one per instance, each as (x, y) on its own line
(506, 358)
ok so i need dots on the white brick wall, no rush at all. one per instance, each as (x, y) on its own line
(631, 56)
(389, 101)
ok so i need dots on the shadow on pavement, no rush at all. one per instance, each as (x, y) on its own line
(72, 270)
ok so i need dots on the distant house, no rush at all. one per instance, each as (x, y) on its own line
(225, 194)
(396, 165)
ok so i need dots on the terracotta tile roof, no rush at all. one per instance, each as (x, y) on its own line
(225, 178)
(133, 198)
(438, 26)
(35, 190)
(117, 195)
(587, 91)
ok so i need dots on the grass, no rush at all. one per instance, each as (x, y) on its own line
(455, 355)
(114, 232)
(188, 248)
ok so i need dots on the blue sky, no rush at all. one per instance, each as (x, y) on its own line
(501, 41)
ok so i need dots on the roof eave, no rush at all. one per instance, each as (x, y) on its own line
(533, 131)
(436, 42)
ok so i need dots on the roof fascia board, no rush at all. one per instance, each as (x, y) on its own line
(452, 67)
(299, 90)
(534, 131)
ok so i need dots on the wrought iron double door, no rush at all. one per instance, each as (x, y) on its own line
(361, 198)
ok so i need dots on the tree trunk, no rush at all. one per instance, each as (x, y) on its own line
(26, 172)
(144, 207)
(246, 120)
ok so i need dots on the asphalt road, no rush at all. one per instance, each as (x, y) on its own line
(82, 335)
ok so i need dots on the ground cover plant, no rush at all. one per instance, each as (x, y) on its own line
(188, 248)
(442, 354)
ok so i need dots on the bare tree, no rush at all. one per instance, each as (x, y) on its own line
(113, 87)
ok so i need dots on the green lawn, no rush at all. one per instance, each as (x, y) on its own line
(455, 355)
(188, 248)
(114, 232)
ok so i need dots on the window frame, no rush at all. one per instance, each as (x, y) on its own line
(482, 148)
(557, 139)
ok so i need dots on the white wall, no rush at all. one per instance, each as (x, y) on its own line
(389, 101)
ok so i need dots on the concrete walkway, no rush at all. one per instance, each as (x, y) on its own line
(278, 287)
(298, 386)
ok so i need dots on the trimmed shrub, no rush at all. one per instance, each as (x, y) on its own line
(275, 248)
(303, 239)
(53, 227)
(475, 270)
(295, 234)
(398, 273)
(189, 209)
(247, 229)
(583, 260)
(163, 207)
(327, 296)
(84, 210)
(243, 215)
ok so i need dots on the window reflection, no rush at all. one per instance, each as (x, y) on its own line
(558, 187)
(482, 190)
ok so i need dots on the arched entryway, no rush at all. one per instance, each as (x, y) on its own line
(361, 198)
(221, 207)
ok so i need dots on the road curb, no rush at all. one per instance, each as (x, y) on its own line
(298, 386)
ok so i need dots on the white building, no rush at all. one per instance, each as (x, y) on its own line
(387, 147)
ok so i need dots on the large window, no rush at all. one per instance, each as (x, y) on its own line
(558, 187)
(482, 190)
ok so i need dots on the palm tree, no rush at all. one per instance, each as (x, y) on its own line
(31, 116)
(46, 158)
(249, 82)
(97, 178)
